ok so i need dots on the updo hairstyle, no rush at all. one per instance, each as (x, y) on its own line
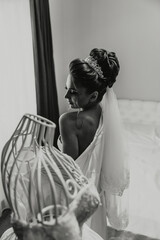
(85, 75)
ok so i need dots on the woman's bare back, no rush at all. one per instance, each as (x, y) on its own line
(78, 130)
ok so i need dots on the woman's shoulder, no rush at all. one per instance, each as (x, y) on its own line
(79, 119)
(67, 120)
(68, 117)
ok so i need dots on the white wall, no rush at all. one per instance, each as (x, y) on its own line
(130, 28)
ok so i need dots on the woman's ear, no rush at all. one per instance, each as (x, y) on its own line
(93, 97)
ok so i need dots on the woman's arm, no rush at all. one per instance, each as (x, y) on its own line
(68, 136)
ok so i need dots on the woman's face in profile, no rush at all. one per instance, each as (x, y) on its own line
(77, 96)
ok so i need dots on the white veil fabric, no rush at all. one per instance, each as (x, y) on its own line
(114, 179)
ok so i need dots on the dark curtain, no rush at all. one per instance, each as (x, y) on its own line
(46, 92)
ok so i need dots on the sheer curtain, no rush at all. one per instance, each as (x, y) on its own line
(17, 90)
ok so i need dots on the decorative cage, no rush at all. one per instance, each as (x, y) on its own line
(47, 192)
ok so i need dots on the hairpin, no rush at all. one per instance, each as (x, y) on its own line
(93, 63)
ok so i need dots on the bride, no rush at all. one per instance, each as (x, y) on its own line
(92, 135)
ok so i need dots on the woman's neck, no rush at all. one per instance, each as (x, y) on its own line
(94, 106)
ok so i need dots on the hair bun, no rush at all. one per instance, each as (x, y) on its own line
(109, 64)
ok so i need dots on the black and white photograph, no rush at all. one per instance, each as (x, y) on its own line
(80, 120)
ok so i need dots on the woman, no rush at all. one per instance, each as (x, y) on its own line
(92, 134)
(86, 85)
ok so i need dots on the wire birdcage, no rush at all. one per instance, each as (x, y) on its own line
(45, 188)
